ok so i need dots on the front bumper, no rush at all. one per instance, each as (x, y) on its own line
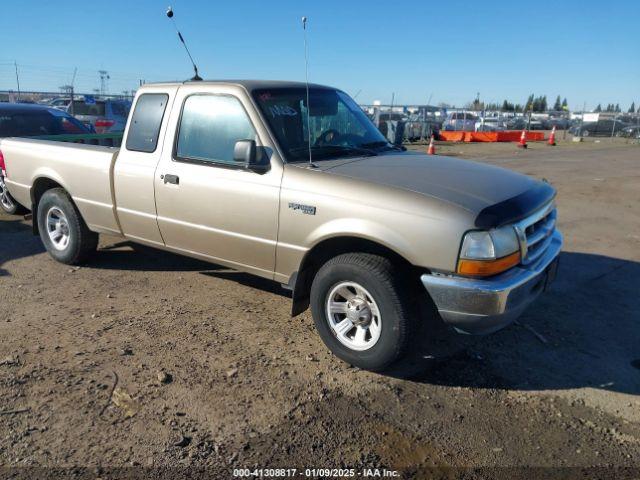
(480, 306)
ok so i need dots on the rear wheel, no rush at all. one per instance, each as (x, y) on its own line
(7, 203)
(361, 309)
(62, 230)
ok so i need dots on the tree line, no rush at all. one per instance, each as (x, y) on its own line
(540, 104)
(616, 108)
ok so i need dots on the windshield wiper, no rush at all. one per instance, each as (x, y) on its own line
(382, 144)
(323, 150)
(379, 143)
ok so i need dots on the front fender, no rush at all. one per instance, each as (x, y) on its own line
(370, 230)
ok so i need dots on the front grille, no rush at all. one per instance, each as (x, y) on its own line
(534, 233)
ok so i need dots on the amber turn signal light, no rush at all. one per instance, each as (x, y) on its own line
(485, 268)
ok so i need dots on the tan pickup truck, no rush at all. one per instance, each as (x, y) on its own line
(300, 187)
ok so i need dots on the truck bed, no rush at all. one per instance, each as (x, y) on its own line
(85, 171)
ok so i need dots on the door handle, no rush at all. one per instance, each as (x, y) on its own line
(175, 179)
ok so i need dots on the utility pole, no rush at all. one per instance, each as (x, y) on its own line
(73, 81)
(584, 107)
(15, 64)
(104, 77)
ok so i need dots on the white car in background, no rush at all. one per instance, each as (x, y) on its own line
(490, 124)
(457, 121)
(105, 116)
(59, 103)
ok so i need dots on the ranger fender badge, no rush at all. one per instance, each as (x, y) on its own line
(306, 209)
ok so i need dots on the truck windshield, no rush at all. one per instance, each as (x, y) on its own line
(339, 127)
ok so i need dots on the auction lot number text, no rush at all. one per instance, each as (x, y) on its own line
(315, 473)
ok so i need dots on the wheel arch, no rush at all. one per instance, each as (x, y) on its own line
(39, 187)
(319, 254)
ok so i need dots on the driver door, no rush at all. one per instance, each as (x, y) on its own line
(208, 205)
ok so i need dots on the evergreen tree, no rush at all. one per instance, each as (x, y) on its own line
(558, 105)
(533, 106)
(632, 108)
(617, 110)
(565, 105)
(598, 108)
(529, 103)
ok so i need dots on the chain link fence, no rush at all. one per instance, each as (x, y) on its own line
(404, 123)
(60, 100)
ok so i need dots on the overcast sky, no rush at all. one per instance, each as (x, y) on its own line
(587, 51)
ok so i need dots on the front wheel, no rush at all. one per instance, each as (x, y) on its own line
(361, 309)
(62, 229)
(7, 203)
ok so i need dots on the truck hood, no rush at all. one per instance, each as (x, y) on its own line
(493, 193)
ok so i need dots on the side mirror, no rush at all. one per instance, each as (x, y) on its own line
(245, 153)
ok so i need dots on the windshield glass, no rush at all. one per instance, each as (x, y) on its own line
(339, 127)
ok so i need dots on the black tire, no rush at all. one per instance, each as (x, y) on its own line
(385, 282)
(82, 241)
(7, 203)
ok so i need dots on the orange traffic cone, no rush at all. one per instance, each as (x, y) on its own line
(523, 139)
(552, 137)
(432, 148)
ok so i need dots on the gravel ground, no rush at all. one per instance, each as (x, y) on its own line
(209, 372)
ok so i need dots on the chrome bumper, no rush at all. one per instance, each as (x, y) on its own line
(480, 306)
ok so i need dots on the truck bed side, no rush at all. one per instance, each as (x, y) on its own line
(84, 171)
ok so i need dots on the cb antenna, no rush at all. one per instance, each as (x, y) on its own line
(196, 77)
(306, 77)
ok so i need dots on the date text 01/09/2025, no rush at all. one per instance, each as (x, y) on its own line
(315, 473)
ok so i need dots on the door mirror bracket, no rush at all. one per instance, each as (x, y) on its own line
(245, 153)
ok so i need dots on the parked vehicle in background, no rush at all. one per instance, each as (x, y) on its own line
(601, 128)
(416, 130)
(295, 184)
(456, 121)
(393, 116)
(105, 116)
(490, 124)
(26, 120)
(558, 122)
(632, 131)
(516, 123)
(534, 124)
(59, 103)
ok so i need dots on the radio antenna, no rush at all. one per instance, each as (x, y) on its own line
(196, 77)
(306, 78)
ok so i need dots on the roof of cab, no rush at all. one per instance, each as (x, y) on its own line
(249, 85)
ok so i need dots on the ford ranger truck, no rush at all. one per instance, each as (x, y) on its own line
(301, 188)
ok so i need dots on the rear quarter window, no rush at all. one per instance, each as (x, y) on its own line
(145, 124)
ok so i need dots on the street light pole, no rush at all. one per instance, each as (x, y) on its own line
(15, 63)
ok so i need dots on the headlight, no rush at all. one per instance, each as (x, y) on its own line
(485, 253)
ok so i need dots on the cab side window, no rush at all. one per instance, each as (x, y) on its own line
(209, 128)
(146, 121)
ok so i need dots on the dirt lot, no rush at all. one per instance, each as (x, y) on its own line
(218, 375)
